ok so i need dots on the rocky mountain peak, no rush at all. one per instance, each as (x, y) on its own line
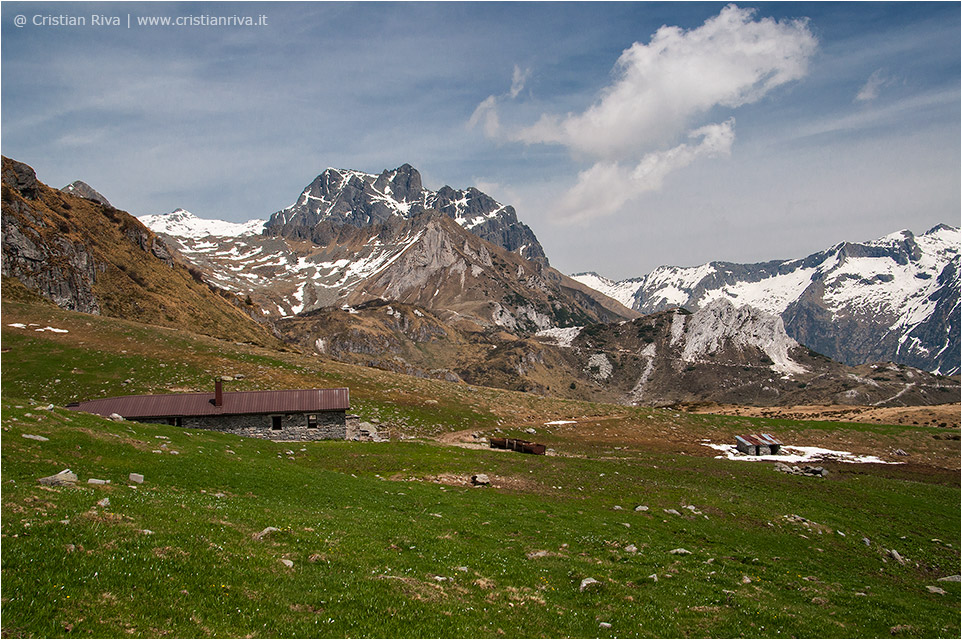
(348, 197)
(84, 190)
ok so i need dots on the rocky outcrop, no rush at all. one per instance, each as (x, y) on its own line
(59, 268)
(84, 190)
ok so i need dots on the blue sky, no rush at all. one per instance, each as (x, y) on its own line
(627, 135)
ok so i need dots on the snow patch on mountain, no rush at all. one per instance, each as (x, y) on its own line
(623, 292)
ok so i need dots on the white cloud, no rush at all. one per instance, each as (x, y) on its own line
(663, 87)
(607, 186)
(660, 93)
(518, 78)
(486, 114)
(872, 86)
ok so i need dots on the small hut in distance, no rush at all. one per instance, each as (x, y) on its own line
(758, 444)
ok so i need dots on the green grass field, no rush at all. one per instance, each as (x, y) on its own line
(386, 540)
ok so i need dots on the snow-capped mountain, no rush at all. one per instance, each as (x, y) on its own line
(342, 196)
(893, 299)
(183, 224)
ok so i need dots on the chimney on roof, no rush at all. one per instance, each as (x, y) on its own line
(218, 393)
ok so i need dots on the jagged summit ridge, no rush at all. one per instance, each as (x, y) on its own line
(892, 299)
(346, 196)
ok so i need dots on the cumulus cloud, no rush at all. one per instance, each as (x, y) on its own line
(660, 93)
(662, 87)
(607, 186)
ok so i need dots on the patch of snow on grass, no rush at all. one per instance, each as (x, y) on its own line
(796, 454)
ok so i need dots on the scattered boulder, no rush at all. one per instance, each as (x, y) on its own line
(896, 556)
(604, 625)
(103, 503)
(631, 548)
(65, 478)
(97, 481)
(287, 563)
(136, 477)
(116, 417)
(641, 507)
(30, 436)
(588, 583)
(807, 470)
(866, 542)
(266, 531)
(955, 578)
(480, 480)
(900, 452)
(530, 430)
(938, 590)
(673, 512)
(680, 552)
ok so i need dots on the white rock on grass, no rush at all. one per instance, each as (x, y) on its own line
(287, 563)
(30, 436)
(266, 531)
(680, 552)
(587, 583)
(65, 478)
(136, 477)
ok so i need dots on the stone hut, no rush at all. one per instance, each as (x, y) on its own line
(758, 444)
(304, 414)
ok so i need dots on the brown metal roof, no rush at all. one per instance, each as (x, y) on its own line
(235, 402)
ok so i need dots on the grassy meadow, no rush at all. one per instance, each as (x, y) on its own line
(391, 540)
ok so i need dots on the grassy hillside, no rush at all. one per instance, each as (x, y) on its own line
(389, 539)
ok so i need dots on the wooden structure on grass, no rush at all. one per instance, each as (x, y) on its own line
(514, 444)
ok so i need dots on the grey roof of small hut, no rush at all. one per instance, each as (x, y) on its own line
(235, 403)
